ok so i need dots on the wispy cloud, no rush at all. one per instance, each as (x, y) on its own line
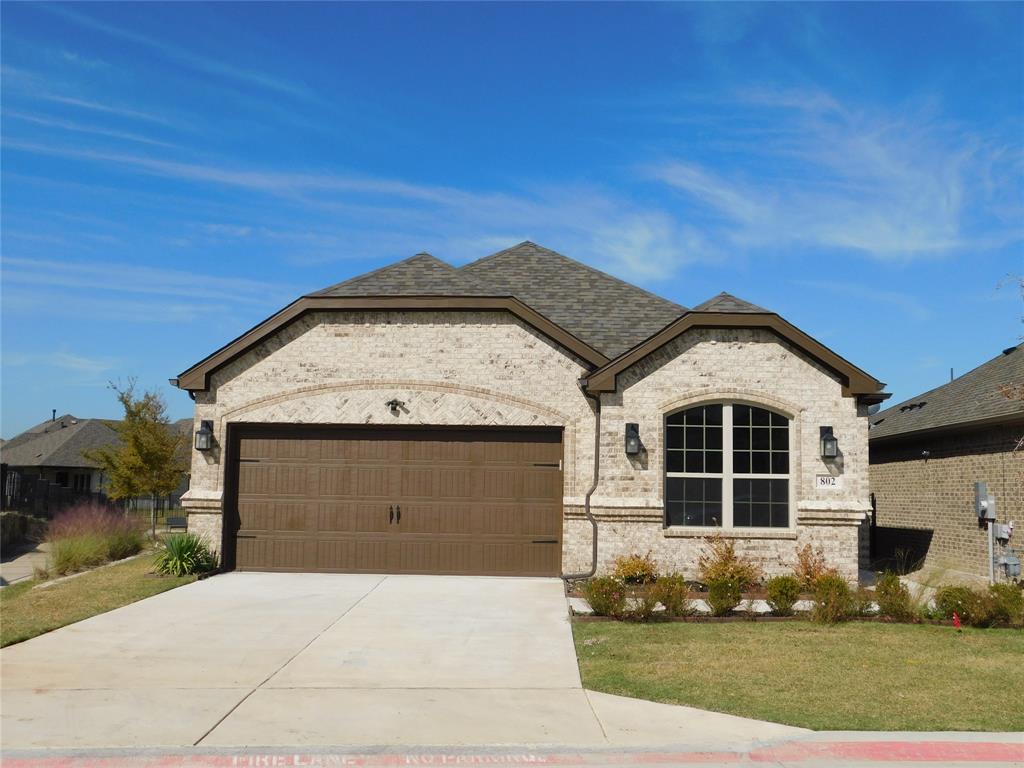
(81, 369)
(68, 125)
(138, 281)
(825, 175)
(205, 64)
(905, 303)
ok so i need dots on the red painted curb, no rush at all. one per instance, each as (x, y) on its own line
(791, 752)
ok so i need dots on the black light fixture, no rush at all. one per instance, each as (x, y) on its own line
(633, 444)
(204, 435)
(829, 444)
(395, 405)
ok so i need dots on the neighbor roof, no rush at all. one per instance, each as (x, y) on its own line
(59, 443)
(991, 392)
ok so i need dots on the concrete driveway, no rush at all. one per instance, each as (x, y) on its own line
(248, 659)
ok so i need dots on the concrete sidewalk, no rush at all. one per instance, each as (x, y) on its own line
(23, 565)
(321, 660)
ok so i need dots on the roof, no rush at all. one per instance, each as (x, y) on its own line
(58, 443)
(605, 321)
(607, 313)
(726, 302)
(419, 275)
(979, 396)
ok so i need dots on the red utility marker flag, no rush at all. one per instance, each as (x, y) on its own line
(956, 621)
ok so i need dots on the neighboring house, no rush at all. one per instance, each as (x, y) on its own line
(53, 451)
(926, 455)
(492, 419)
(48, 460)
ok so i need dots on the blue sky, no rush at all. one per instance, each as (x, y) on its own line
(174, 173)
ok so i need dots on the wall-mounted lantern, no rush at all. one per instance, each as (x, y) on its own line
(204, 436)
(633, 444)
(829, 444)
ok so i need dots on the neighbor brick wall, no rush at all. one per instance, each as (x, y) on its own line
(489, 368)
(936, 494)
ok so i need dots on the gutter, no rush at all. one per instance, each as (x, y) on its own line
(593, 487)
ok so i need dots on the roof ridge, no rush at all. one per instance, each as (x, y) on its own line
(587, 267)
(365, 275)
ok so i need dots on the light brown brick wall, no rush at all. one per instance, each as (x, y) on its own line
(489, 368)
(937, 494)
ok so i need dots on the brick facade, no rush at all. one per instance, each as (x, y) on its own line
(489, 368)
(925, 505)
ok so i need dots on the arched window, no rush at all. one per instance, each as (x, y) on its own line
(727, 465)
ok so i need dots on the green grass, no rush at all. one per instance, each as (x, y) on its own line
(26, 612)
(854, 676)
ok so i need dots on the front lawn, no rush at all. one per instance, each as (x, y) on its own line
(26, 612)
(853, 676)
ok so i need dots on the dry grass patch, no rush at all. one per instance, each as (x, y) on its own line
(26, 612)
(856, 676)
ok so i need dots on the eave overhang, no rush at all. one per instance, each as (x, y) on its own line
(856, 382)
(197, 378)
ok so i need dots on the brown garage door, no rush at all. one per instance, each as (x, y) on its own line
(380, 500)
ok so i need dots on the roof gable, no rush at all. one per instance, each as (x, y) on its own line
(607, 313)
(419, 275)
(992, 391)
(726, 302)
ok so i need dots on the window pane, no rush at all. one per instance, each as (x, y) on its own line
(674, 437)
(741, 463)
(674, 489)
(679, 417)
(779, 490)
(713, 438)
(780, 439)
(694, 437)
(780, 515)
(713, 414)
(741, 491)
(694, 461)
(693, 501)
(760, 439)
(741, 515)
(674, 461)
(674, 513)
(741, 415)
(760, 463)
(780, 463)
(760, 490)
(778, 420)
(713, 461)
(761, 515)
(741, 438)
(760, 417)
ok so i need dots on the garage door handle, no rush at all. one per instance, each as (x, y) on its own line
(391, 515)
(544, 541)
(398, 513)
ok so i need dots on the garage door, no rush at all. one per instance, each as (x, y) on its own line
(381, 500)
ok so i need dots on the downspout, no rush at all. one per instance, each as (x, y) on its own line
(590, 491)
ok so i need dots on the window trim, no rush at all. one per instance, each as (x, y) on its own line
(727, 475)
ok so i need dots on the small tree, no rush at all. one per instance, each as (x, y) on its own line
(148, 461)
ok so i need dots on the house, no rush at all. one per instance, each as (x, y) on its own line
(926, 455)
(524, 414)
(52, 451)
(45, 467)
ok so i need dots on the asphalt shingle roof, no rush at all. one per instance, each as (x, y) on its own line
(726, 302)
(419, 275)
(979, 395)
(51, 445)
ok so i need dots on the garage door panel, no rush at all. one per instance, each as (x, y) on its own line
(470, 501)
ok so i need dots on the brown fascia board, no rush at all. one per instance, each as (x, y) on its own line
(197, 378)
(855, 381)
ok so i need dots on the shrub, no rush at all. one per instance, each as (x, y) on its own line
(185, 554)
(673, 592)
(832, 599)
(86, 535)
(606, 595)
(635, 569)
(783, 592)
(893, 597)
(720, 563)
(640, 607)
(723, 596)
(863, 602)
(1007, 604)
(811, 566)
(973, 607)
